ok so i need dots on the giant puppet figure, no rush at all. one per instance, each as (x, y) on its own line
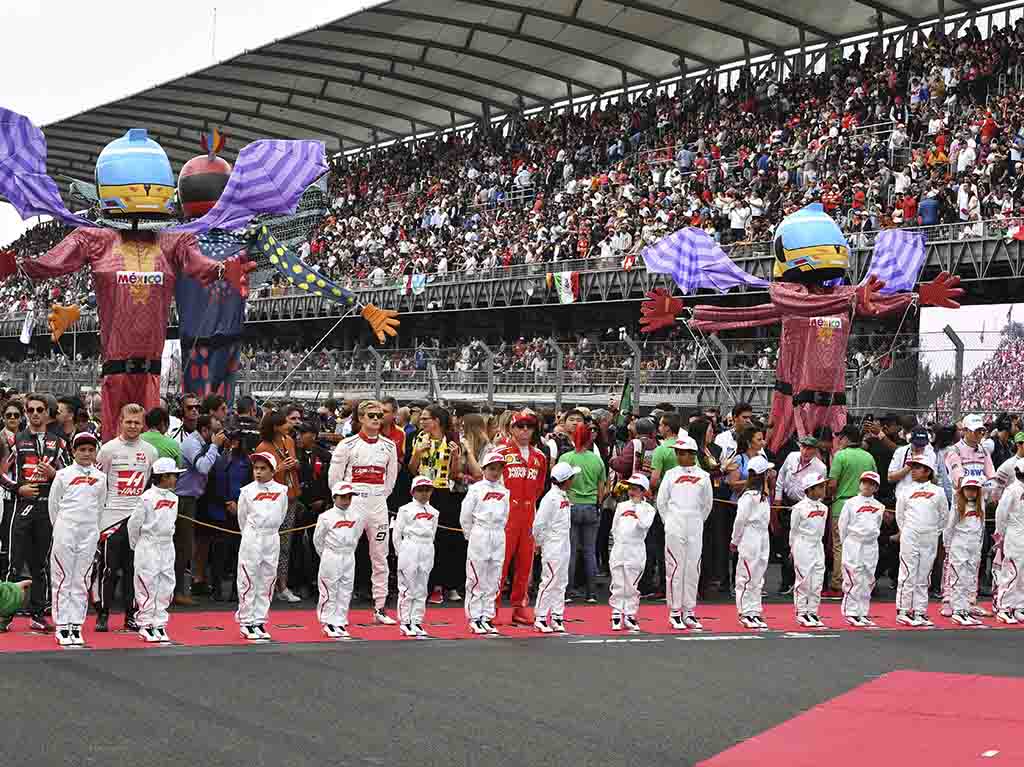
(134, 263)
(815, 310)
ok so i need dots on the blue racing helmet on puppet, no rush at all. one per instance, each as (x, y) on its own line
(134, 176)
(809, 247)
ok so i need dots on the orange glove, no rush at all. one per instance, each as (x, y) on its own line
(8, 263)
(943, 291)
(659, 311)
(381, 320)
(236, 272)
(61, 318)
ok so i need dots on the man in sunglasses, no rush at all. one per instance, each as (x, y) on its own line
(37, 455)
(369, 462)
(12, 415)
(526, 470)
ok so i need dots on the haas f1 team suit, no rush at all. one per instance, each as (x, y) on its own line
(807, 522)
(750, 537)
(29, 529)
(485, 512)
(370, 465)
(1010, 529)
(127, 466)
(524, 475)
(551, 532)
(335, 539)
(921, 512)
(76, 505)
(262, 507)
(685, 497)
(859, 524)
(150, 531)
(629, 555)
(413, 537)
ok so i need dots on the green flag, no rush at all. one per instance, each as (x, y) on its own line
(625, 401)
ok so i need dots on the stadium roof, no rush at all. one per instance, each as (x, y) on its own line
(376, 73)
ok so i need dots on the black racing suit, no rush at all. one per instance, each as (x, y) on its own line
(30, 530)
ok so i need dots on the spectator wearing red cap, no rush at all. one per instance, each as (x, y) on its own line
(525, 473)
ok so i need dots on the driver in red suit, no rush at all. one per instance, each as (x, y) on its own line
(134, 275)
(525, 473)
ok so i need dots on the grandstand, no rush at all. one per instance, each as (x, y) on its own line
(479, 147)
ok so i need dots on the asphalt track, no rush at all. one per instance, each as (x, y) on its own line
(504, 701)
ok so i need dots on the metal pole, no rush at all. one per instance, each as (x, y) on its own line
(958, 374)
(378, 364)
(490, 372)
(723, 370)
(559, 371)
(636, 372)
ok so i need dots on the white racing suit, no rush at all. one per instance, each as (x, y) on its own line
(261, 510)
(1010, 528)
(629, 555)
(151, 536)
(685, 497)
(963, 461)
(371, 467)
(806, 534)
(962, 539)
(413, 538)
(483, 517)
(335, 539)
(859, 524)
(750, 537)
(76, 500)
(551, 534)
(921, 511)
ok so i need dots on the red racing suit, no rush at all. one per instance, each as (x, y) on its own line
(524, 478)
(134, 275)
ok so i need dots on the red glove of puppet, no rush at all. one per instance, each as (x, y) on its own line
(943, 291)
(236, 272)
(8, 264)
(659, 311)
(866, 293)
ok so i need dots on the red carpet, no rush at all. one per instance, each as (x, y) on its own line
(204, 628)
(905, 718)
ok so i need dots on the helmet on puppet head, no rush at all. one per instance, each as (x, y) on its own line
(203, 178)
(809, 247)
(133, 175)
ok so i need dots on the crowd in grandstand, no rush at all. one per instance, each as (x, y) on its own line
(212, 453)
(996, 382)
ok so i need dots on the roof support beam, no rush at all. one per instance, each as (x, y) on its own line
(499, 31)
(494, 59)
(887, 10)
(782, 18)
(364, 53)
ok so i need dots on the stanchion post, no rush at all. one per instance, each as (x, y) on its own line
(559, 371)
(635, 348)
(378, 367)
(723, 370)
(958, 371)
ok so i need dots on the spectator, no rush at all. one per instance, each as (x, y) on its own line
(586, 493)
(851, 460)
(199, 452)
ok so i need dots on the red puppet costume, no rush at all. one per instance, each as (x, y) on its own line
(525, 473)
(816, 314)
(134, 275)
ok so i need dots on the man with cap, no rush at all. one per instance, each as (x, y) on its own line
(921, 512)
(789, 490)
(899, 466)
(151, 536)
(484, 520)
(262, 506)
(524, 475)
(1009, 537)
(75, 504)
(551, 529)
(633, 518)
(806, 532)
(685, 497)
(335, 539)
(413, 538)
(968, 458)
(859, 524)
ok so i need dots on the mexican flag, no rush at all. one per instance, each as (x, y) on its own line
(566, 284)
(625, 401)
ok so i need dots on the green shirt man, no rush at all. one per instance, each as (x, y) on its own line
(590, 481)
(847, 466)
(664, 457)
(165, 446)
